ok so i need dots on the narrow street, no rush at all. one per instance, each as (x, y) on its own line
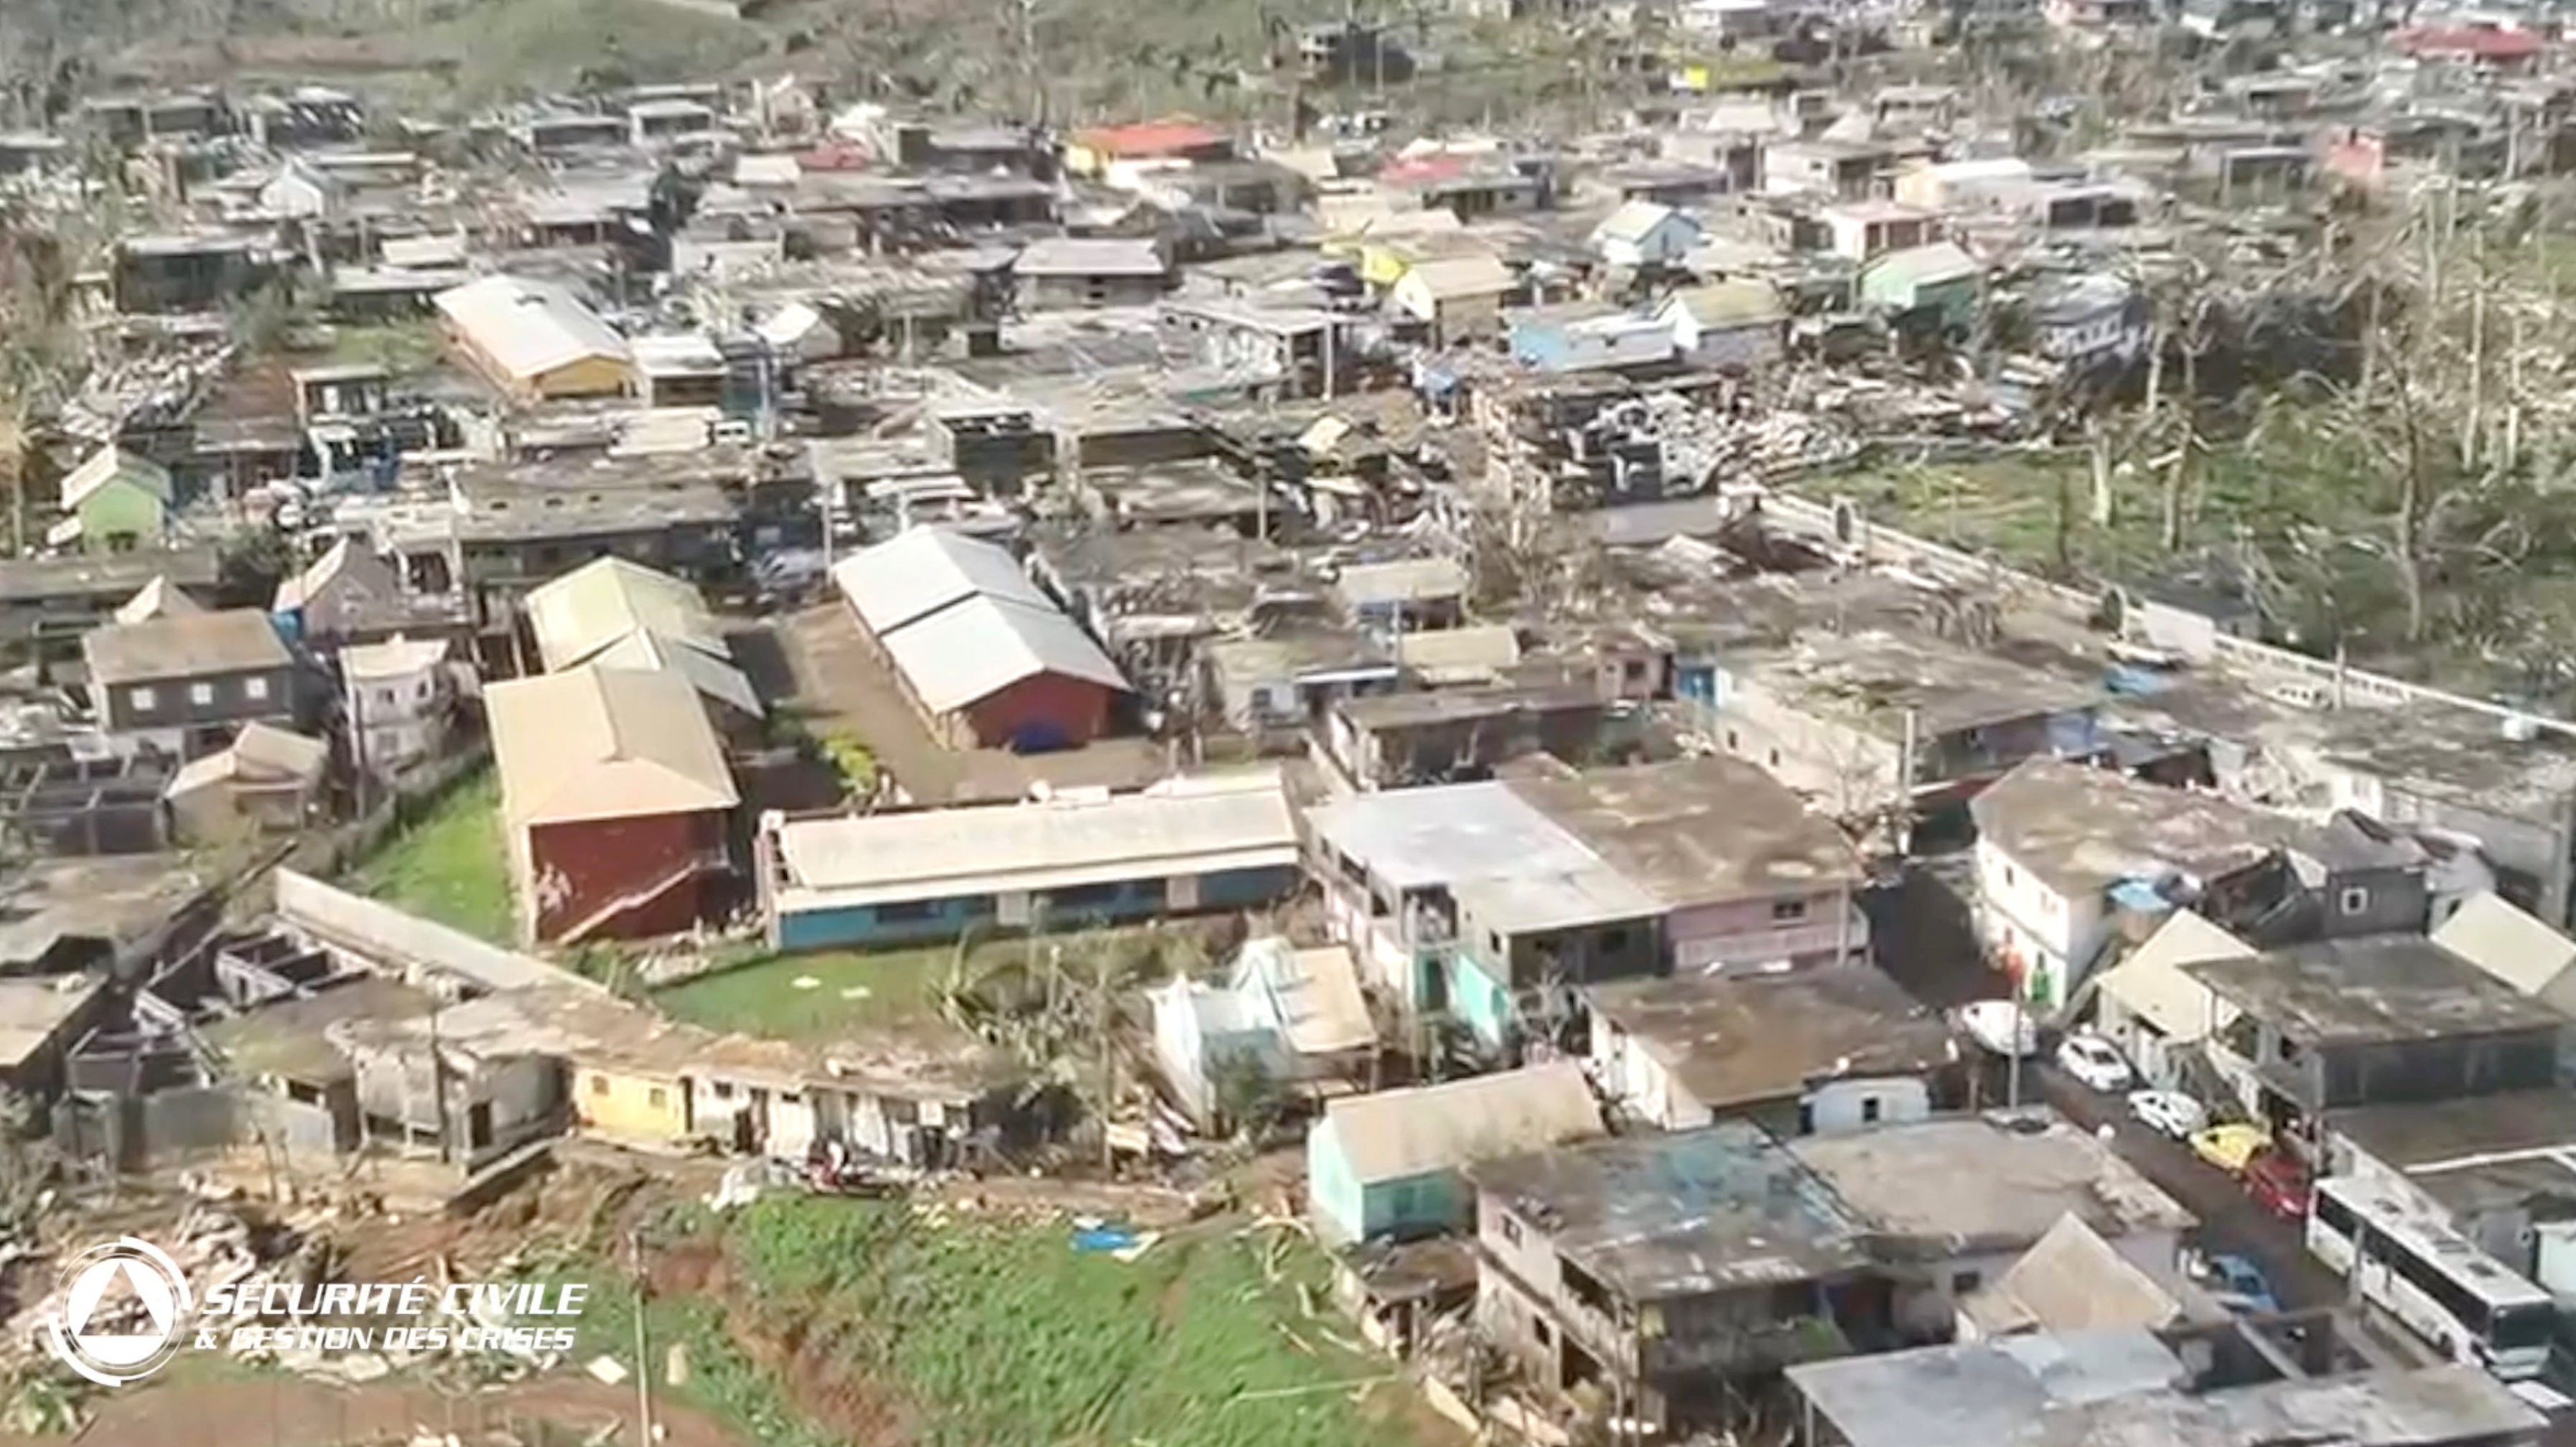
(2230, 1220)
(1940, 964)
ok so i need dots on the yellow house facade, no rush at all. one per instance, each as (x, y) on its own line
(629, 1106)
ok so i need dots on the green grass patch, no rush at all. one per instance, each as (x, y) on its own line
(450, 864)
(851, 991)
(1001, 1335)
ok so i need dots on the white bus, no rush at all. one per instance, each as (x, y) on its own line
(2417, 1269)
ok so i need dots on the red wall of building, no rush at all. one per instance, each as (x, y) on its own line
(582, 868)
(1075, 709)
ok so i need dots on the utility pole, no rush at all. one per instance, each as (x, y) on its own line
(2013, 1051)
(644, 1433)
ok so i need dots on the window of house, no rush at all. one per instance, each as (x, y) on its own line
(142, 700)
(201, 694)
(599, 1085)
(2353, 901)
(1546, 1333)
(420, 690)
(724, 1090)
(255, 689)
(1733, 744)
(1785, 910)
(1775, 758)
(1869, 1110)
(1613, 941)
(1963, 1282)
(657, 1097)
(1511, 1229)
(2012, 877)
(385, 698)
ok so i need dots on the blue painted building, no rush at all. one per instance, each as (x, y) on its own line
(1387, 1165)
(1189, 845)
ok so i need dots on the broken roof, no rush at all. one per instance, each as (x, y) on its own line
(604, 743)
(1395, 1135)
(184, 645)
(2084, 829)
(1681, 1213)
(290, 1040)
(1738, 1040)
(2370, 990)
(1872, 679)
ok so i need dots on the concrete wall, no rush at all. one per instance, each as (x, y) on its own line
(578, 869)
(613, 1103)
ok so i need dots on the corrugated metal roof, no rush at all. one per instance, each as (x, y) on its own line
(109, 464)
(922, 570)
(650, 651)
(2151, 984)
(972, 650)
(604, 743)
(1452, 278)
(1091, 256)
(1396, 1134)
(1213, 822)
(159, 598)
(184, 645)
(2508, 944)
(388, 938)
(583, 613)
(530, 328)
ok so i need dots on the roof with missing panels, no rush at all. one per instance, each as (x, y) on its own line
(1682, 1213)
(604, 743)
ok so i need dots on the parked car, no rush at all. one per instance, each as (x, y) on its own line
(2278, 1182)
(2229, 1147)
(2095, 1061)
(2001, 1026)
(2167, 1112)
(2240, 1286)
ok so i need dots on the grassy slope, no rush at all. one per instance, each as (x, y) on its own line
(988, 1334)
(451, 866)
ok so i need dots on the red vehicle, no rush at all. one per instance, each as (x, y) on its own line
(2276, 1180)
